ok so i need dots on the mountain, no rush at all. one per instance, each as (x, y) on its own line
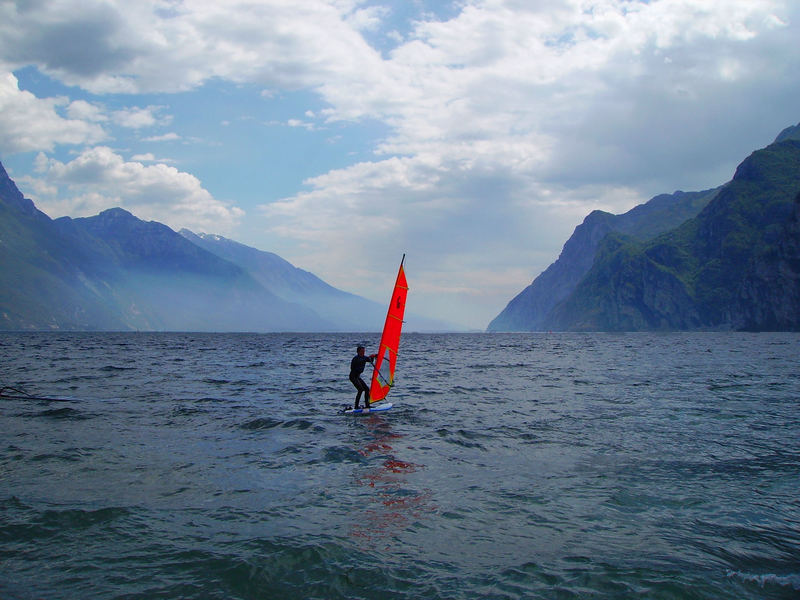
(169, 283)
(40, 286)
(529, 309)
(347, 312)
(114, 271)
(733, 266)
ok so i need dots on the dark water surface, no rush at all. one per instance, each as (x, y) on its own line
(513, 466)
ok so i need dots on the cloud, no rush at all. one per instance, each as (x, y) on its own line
(547, 79)
(167, 137)
(367, 19)
(563, 77)
(81, 110)
(511, 121)
(87, 39)
(507, 121)
(133, 117)
(458, 227)
(300, 123)
(139, 118)
(28, 123)
(150, 157)
(146, 46)
(98, 178)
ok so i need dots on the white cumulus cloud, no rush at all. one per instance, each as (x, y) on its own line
(139, 118)
(99, 178)
(28, 123)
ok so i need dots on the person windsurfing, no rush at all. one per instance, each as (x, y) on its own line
(356, 369)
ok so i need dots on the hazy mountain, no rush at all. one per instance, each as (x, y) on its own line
(344, 311)
(180, 286)
(347, 312)
(736, 265)
(116, 272)
(48, 280)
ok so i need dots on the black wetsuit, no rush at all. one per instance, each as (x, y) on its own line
(356, 369)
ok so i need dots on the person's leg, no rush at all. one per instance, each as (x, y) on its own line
(362, 387)
(356, 381)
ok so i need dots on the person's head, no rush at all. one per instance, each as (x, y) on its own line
(360, 350)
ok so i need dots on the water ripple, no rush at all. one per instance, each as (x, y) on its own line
(513, 466)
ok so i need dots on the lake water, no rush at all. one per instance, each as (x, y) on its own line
(512, 466)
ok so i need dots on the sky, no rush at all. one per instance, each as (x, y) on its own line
(471, 135)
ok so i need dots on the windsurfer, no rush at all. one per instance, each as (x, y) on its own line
(356, 369)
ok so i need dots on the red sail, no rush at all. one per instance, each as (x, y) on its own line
(383, 375)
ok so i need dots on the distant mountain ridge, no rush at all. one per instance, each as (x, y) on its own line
(348, 311)
(733, 264)
(114, 271)
(345, 311)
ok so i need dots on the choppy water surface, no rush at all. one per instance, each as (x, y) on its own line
(513, 466)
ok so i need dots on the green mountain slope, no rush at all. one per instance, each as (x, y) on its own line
(734, 266)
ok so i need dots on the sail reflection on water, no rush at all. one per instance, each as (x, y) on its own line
(393, 504)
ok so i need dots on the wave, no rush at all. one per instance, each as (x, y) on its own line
(112, 368)
(62, 413)
(269, 423)
(791, 580)
(261, 423)
(463, 437)
(55, 523)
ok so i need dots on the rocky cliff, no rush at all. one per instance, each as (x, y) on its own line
(529, 310)
(735, 266)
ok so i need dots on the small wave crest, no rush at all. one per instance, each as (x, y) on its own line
(341, 454)
(791, 580)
